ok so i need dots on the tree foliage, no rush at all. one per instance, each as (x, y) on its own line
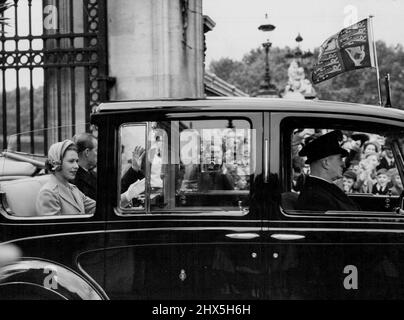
(4, 5)
(358, 86)
(11, 109)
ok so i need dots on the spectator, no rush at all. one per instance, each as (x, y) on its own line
(381, 187)
(387, 160)
(298, 172)
(355, 148)
(348, 181)
(396, 184)
(354, 167)
(298, 139)
(364, 183)
(373, 159)
(213, 175)
(370, 147)
(360, 138)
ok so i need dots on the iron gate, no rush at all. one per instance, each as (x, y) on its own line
(53, 62)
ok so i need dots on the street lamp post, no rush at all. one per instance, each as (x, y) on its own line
(298, 54)
(267, 89)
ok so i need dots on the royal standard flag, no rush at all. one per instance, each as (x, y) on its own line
(349, 49)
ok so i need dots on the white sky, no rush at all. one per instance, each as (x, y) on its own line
(236, 31)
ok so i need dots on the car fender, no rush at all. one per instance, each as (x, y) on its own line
(33, 278)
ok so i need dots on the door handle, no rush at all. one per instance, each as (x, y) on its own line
(242, 236)
(281, 236)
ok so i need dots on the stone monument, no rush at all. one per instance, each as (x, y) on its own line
(298, 87)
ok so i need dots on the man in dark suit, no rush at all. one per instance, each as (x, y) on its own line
(319, 193)
(387, 162)
(86, 179)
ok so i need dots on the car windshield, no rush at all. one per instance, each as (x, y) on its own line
(37, 141)
(26, 152)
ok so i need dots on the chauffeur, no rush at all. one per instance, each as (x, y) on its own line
(319, 193)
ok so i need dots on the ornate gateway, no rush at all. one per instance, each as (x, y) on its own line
(53, 63)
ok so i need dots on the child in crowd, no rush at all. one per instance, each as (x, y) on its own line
(370, 147)
(387, 160)
(348, 181)
(365, 176)
(396, 184)
(382, 185)
(373, 160)
(354, 167)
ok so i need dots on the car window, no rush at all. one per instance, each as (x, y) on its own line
(187, 166)
(370, 175)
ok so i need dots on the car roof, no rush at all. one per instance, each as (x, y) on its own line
(257, 104)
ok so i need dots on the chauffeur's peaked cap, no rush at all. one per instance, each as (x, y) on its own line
(324, 146)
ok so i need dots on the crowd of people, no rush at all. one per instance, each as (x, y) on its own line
(369, 166)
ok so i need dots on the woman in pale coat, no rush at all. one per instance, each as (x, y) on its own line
(59, 197)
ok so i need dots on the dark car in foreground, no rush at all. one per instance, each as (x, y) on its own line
(217, 217)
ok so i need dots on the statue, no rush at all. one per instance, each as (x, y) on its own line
(298, 86)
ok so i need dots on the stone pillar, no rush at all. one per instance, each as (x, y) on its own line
(155, 48)
(57, 20)
(50, 27)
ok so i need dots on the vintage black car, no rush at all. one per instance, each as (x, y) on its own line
(217, 218)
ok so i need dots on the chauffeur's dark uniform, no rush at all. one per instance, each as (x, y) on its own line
(320, 195)
(86, 181)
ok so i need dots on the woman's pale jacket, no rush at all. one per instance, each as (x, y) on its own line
(57, 198)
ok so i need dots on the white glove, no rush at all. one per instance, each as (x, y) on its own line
(135, 189)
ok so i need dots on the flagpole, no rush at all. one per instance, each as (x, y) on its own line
(376, 63)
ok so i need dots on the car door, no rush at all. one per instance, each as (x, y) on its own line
(50, 246)
(192, 235)
(332, 255)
